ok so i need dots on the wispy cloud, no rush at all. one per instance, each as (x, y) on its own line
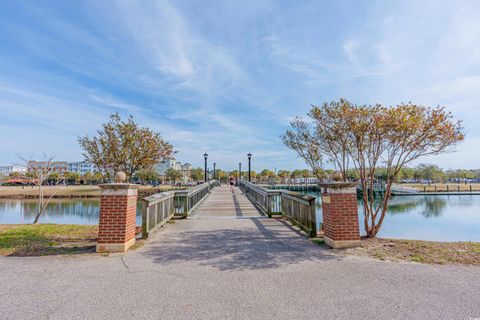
(226, 78)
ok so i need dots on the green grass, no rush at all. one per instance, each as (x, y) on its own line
(320, 242)
(417, 258)
(46, 239)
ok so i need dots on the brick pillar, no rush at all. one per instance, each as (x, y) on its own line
(340, 215)
(118, 207)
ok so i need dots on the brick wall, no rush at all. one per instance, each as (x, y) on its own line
(117, 218)
(118, 208)
(340, 216)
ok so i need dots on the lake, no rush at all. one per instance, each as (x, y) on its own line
(64, 211)
(436, 218)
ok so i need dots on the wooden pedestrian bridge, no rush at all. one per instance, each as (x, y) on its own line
(211, 200)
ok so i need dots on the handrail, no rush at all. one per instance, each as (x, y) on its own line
(188, 200)
(161, 207)
(269, 201)
(158, 209)
(298, 208)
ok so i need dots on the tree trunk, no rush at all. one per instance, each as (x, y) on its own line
(37, 217)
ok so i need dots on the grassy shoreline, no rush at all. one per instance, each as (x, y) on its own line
(429, 252)
(46, 239)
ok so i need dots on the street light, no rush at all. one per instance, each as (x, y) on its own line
(205, 155)
(240, 170)
(249, 155)
(214, 176)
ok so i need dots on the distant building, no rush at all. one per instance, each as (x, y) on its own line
(54, 166)
(165, 164)
(186, 168)
(171, 163)
(6, 170)
(81, 167)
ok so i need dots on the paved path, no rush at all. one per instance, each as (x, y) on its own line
(237, 265)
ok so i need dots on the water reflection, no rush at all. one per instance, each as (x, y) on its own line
(64, 211)
(438, 218)
(430, 206)
(433, 207)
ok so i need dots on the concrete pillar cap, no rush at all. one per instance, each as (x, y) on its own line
(116, 186)
(338, 187)
(119, 189)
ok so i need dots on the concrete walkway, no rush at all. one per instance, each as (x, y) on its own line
(233, 263)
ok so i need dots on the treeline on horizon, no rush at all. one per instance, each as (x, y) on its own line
(425, 172)
(422, 172)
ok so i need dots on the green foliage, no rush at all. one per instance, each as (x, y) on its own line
(72, 177)
(430, 172)
(173, 175)
(147, 175)
(87, 178)
(197, 174)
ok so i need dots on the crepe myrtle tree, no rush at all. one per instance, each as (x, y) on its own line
(369, 138)
(122, 145)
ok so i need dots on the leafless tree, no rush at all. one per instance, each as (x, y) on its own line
(39, 173)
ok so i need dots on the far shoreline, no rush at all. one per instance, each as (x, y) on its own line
(70, 192)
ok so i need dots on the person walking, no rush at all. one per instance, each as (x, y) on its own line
(231, 182)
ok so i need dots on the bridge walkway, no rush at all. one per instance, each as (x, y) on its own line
(225, 203)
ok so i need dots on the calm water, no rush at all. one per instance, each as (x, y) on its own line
(439, 218)
(64, 211)
(436, 218)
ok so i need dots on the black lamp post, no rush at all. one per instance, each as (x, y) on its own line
(214, 172)
(240, 170)
(205, 155)
(249, 155)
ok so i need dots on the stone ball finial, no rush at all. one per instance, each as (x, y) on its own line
(337, 176)
(120, 177)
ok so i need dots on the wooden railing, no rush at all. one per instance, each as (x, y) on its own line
(157, 210)
(269, 201)
(187, 200)
(298, 208)
(161, 207)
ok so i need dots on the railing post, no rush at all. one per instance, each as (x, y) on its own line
(313, 218)
(145, 219)
(187, 205)
(269, 205)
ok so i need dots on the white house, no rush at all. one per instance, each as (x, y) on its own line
(6, 170)
(171, 163)
(165, 164)
(81, 167)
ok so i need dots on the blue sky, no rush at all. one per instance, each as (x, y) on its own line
(226, 77)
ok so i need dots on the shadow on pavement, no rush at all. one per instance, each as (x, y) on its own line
(270, 245)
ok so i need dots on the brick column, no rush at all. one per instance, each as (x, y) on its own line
(118, 207)
(340, 215)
